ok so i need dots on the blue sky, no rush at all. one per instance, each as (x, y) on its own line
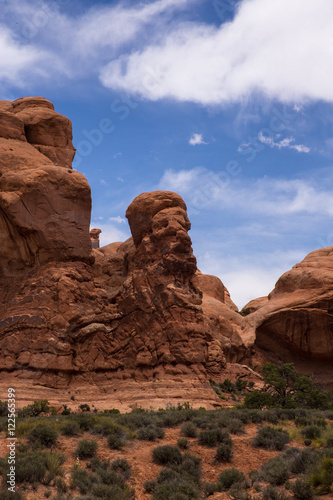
(228, 103)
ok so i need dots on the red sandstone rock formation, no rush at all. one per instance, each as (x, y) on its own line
(137, 315)
(44, 209)
(136, 309)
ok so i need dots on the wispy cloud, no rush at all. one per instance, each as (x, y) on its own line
(118, 219)
(196, 140)
(267, 196)
(288, 143)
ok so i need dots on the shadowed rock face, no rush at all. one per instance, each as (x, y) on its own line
(299, 310)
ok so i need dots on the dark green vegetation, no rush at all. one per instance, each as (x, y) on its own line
(285, 388)
(295, 472)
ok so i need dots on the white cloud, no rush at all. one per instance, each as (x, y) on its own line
(111, 233)
(196, 139)
(16, 60)
(205, 189)
(284, 143)
(118, 219)
(85, 41)
(282, 49)
(248, 277)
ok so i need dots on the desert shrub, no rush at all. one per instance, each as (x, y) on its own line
(70, 428)
(177, 489)
(189, 429)
(322, 478)
(329, 442)
(122, 467)
(150, 433)
(302, 490)
(303, 461)
(30, 467)
(241, 384)
(271, 439)
(211, 437)
(238, 492)
(167, 455)
(86, 448)
(5, 494)
(275, 471)
(114, 492)
(235, 426)
(229, 477)
(61, 485)
(112, 411)
(224, 453)
(182, 443)
(43, 435)
(210, 488)
(82, 480)
(258, 399)
(85, 421)
(179, 481)
(311, 432)
(150, 485)
(35, 409)
(273, 493)
(3, 408)
(105, 426)
(116, 442)
(54, 463)
(84, 407)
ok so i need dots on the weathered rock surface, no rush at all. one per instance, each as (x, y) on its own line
(138, 310)
(136, 317)
(295, 322)
(44, 209)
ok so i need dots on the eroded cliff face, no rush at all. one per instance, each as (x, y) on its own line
(138, 310)
(44, 204)
(136, 319)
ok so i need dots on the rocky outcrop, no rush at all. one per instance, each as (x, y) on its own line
(44, 209)
(295, 322)
(138, 310)
(136, 315)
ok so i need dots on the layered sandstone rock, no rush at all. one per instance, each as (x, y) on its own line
(44, 209)
(138, 310)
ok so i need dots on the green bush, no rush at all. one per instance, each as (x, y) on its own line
(84, 407)
(35, 409)
(211, 437)
(229, 477)
(86, 448)
(150, 433)
(322, 477)
(43, 435)
(189, 429)
(122, 467)
(70, 428)
(275, 471)
(116, 442)
(258, 399)
(273, 493)
(302, 490)
(182, 443)
(271, 439)
(303, 461)
(311, 432)
(224, 453)
(167, 455)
